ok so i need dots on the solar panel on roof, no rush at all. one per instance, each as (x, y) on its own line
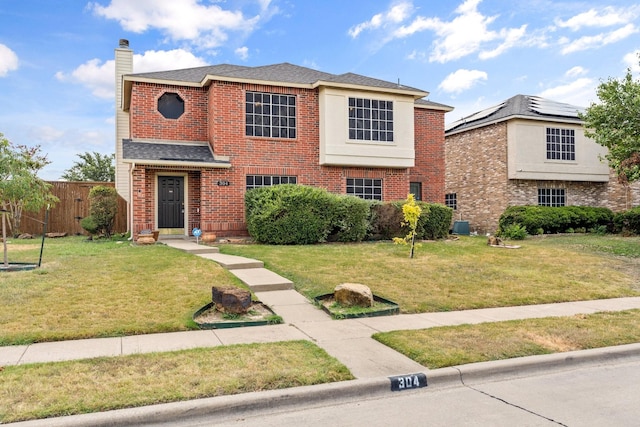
(545, 106)
(477, 116)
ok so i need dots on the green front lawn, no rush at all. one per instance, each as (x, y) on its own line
(465, 273)
(98, 289)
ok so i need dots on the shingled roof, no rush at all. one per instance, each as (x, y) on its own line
(279, 73)
(168, 153)
(519, 106)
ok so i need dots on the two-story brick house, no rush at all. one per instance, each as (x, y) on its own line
(526, 150)
(191, 142)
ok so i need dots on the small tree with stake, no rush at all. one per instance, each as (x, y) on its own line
(411, 212)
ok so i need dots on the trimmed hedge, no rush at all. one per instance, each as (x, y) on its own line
(628, 222)
(290, 214)
(550, 220)
(350, 218)
(387, 219)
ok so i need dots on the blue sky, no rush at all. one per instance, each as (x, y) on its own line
(56, 57)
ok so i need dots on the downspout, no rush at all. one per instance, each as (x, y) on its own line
(132, 167)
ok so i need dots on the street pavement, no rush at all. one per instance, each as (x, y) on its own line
(347, 340)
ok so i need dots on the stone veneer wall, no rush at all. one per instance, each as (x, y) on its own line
(476, 170)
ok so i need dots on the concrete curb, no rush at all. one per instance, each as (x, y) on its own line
(224, 407)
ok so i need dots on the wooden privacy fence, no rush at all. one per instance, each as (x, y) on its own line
(65, 216)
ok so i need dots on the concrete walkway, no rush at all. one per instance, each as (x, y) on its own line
(347, 340)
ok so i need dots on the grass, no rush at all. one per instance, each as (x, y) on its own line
(457, 345)
(98, 289)
(94, 385)
(463, 274)
(90, 289)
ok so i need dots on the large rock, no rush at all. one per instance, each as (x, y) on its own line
(353, 294)
(231, 300)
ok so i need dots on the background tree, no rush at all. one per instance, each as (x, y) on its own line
(20, 188)
(92, 167)
(614, 123)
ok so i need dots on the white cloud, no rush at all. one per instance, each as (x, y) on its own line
(397, 13)
(632, 61)
(99, 76)
(206, 26)
(607, 17)
(580, 92)
(242, 52)
(576, 71)
(45, 134)
(511, 38)
(464, 35)
(8, 60)
(600, 40)
(462, 80)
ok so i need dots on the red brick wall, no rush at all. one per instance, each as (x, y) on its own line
(218, 208)
(430, 161)
(147, 122)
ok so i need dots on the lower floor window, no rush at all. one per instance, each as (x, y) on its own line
(365, 188)
(415, 188)
(256, 181)
(451, 200)
(551, 197)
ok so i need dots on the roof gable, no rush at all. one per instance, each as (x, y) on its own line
(519, 106)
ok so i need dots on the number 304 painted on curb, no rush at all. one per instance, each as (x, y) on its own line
(407, 382)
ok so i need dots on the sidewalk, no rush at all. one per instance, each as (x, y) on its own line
(348, 340)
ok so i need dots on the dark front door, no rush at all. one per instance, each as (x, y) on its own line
(170, 202)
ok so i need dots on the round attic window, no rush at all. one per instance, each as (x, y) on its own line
(170, 105)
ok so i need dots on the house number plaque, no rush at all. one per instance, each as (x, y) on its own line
(407, 382)
(223, 183)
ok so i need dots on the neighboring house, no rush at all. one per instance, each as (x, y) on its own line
(191, 142)
(526, 151)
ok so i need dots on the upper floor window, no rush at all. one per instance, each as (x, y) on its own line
(170, 105)
(451, 200)
(370, 119)
(365, 188)
(551, 197)
(270, 115)
(256, 181)
(561, 144)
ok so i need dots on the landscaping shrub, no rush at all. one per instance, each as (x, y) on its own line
(628, 222)
(545, 219)
(103, 207)
(89, 225)
(387, 218)
(350, 218)
(514, 232)
(288, 214)
(386, 221)
(434, 222)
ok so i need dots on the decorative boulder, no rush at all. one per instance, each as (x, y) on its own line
(494, 241)
(145, 239)
(208, 237)
(231, 300)
(353, 294)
